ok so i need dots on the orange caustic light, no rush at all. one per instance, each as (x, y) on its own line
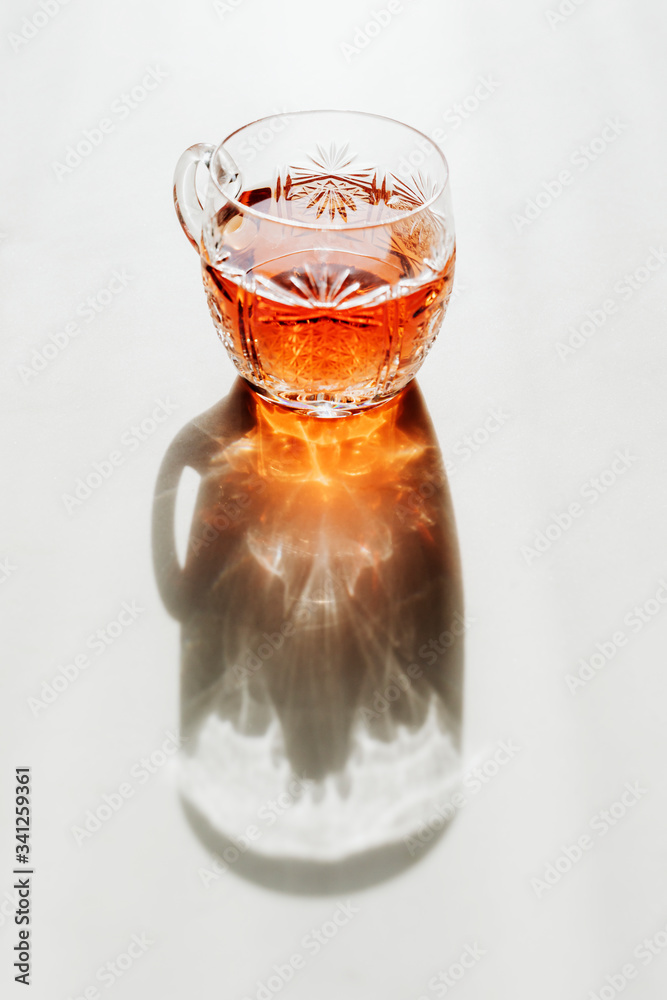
(294, 446)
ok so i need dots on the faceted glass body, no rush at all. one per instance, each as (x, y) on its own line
(328, 251)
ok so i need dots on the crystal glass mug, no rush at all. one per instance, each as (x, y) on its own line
(327, 247)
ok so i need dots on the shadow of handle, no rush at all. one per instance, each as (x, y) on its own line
(170, 576)
(193, 447)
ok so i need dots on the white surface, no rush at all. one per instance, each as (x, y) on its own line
(518, 294)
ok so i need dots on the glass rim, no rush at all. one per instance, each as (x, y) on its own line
(298, 224)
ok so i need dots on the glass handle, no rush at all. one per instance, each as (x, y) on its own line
(189, 208)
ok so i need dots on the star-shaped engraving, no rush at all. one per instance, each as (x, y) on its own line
(331, 188)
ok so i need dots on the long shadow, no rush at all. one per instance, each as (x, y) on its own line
(322, 637)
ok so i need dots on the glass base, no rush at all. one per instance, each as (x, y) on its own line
(320, 405)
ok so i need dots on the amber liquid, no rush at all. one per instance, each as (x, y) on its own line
(342, 318)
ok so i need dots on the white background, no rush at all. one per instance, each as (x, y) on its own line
(521, 287)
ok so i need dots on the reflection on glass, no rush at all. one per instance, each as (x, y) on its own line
(322, 621)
